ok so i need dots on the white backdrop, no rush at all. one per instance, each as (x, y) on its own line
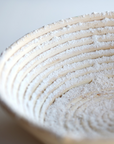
(18, 17)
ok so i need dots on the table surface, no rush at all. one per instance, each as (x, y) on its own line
(12, 133)
(20, 17)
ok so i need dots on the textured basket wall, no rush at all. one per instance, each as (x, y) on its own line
(28, 66)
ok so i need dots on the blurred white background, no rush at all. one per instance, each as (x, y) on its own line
(18, 17)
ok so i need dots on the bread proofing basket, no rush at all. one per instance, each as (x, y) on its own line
(70, 57)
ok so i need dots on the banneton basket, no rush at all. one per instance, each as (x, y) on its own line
(30, 84)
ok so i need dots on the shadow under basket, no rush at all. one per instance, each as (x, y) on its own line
(43, 67)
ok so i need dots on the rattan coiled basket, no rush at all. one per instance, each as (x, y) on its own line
(28, 71)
